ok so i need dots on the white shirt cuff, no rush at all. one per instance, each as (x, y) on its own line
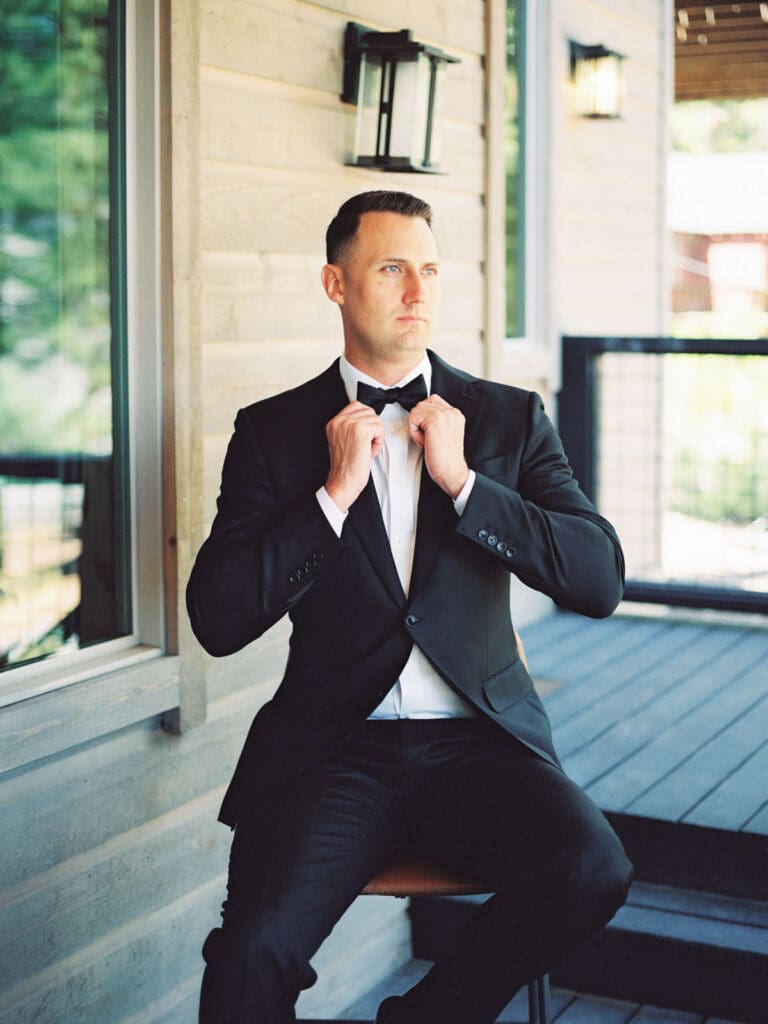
(331, 510)
(461, 499)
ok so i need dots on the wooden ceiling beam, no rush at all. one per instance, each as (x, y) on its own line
(733, 63)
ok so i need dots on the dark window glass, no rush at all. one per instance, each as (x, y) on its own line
(64, 579)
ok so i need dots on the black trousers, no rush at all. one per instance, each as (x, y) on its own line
(460, 792)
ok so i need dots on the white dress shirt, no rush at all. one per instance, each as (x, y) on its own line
(420, 692)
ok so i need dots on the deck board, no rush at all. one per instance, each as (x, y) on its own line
(660, 717)
(716, 740)
(648, 684)
(699, 704)
(626, 671)
(740, 796)
(670, 700)
(567, 1007)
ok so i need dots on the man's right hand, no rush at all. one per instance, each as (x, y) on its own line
(355, 438)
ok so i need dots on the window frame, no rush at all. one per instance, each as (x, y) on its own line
(69, 698)
(534, 354)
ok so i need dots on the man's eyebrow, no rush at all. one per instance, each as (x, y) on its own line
(404, 259)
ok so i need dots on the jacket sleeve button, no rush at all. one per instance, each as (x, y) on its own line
(501, 546)
(510, 553)
(491, 540)
(482, 534)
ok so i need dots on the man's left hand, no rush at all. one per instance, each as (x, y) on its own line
(438, 428)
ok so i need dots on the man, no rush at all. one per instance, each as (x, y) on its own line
(383, 506)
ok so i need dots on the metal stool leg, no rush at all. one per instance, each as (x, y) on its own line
(538, 1000)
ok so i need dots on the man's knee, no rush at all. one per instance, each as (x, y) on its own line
(605, 873)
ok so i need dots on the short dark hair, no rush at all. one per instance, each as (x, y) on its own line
(344, 225)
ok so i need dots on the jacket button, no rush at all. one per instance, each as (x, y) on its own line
(411, 620)
(492, 540)
(291, 579)
(301, 573)
(482, 534)
(501, 546)
(510, 552)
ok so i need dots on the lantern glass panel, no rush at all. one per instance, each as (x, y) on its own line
(369, 94)
(598, 84)
(410, 115)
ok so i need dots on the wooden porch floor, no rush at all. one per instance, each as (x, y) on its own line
(660, 717)
(567, 1007)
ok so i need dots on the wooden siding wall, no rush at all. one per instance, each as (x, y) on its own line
(112, 865)
(609, 176)
(611, 245)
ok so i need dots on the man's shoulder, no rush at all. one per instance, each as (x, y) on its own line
(505, 394)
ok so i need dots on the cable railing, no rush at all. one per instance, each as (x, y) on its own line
(669, 437)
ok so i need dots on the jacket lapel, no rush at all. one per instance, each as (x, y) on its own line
(365, 514)
(368, 525)
(436, 516)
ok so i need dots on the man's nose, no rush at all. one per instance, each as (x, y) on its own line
(414, 288)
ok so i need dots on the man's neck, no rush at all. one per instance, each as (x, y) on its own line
(386, 374)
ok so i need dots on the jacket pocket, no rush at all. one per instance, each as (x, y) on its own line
(505, 688)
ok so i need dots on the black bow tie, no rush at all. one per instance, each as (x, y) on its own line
(408, 395)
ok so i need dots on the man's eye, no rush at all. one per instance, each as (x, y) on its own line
(430, 271)
(392, 267)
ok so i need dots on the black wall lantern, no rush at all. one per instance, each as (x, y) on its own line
(395, 82)
(598, 76)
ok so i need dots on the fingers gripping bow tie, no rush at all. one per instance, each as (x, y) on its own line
(409, 395)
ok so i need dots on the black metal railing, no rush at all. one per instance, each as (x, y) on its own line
(669, 437)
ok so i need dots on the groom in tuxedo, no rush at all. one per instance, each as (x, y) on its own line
(382, 507)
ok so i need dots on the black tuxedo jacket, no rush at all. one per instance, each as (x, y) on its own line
(271, 551)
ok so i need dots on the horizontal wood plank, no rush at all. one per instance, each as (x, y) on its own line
(53, 915)
(255, 209)
(121, 973)
(56, 721)
(124, 781)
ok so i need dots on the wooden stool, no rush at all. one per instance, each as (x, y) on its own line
(414, 878)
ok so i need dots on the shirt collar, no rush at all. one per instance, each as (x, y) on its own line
(350, 375)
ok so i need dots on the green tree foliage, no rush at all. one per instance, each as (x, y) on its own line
(717, 422)
(54, 227)
(720, 126)
(513, 169)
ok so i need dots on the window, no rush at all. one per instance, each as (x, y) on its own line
(514, 129)
(523, 347)
(64, 537)
(78, 225)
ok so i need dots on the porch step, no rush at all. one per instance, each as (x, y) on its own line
(679, 854)
(688, 950)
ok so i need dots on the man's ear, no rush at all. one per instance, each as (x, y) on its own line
(331, 276)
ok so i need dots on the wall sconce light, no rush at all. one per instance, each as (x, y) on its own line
(598, 75)
(395, 82)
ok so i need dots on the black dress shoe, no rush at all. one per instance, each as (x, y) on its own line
(387, 1013)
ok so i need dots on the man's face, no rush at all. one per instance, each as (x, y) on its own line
(387, 287)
